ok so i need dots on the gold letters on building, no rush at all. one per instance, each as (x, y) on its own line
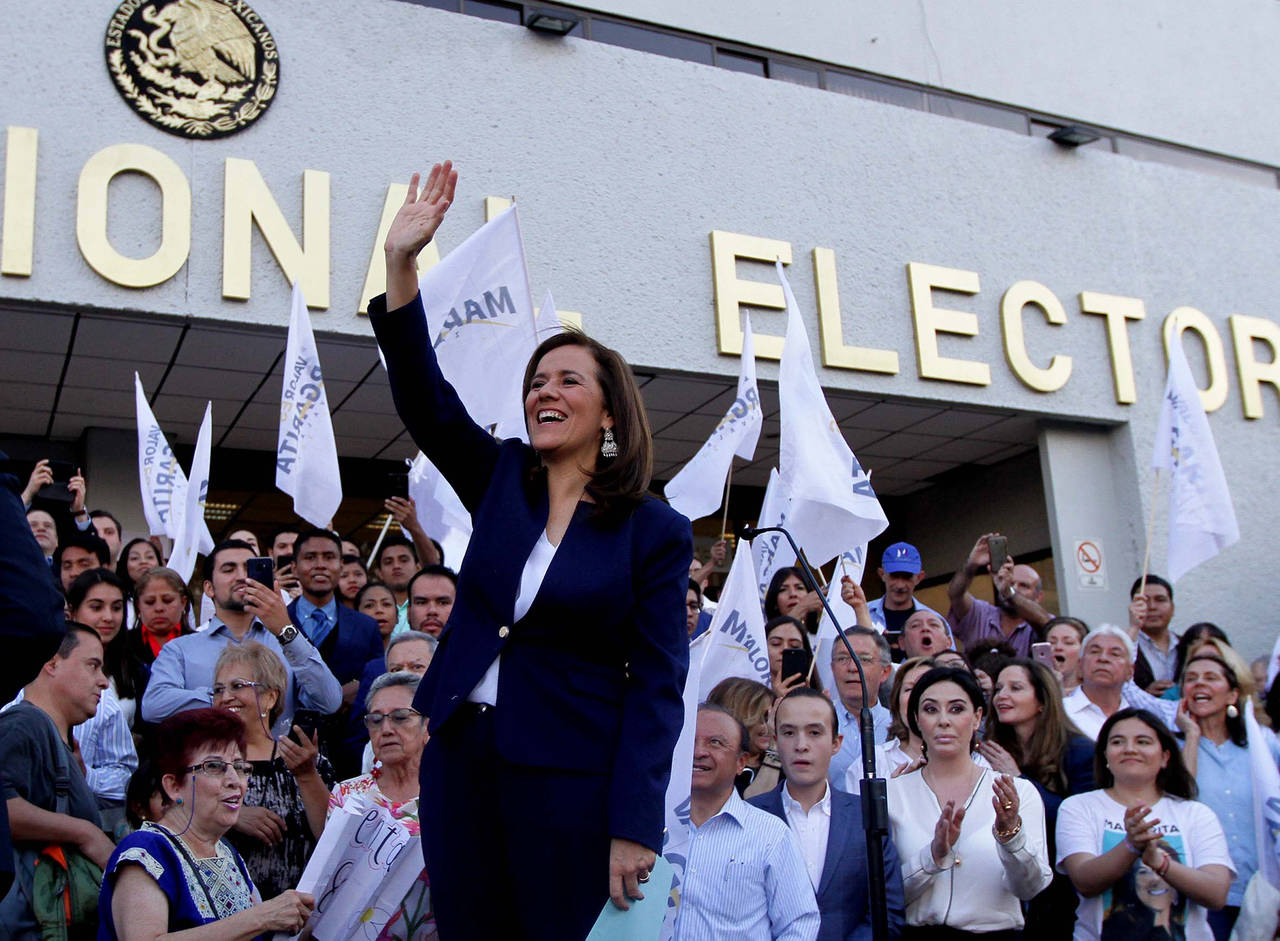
(195, 68)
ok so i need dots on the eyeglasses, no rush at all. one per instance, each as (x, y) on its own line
(217, 767)
(235, 686)
(397, 716)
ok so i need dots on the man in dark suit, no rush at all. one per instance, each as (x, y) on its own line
(346, 639)
(827, 822)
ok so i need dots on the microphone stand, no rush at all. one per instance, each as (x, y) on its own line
(872, 789)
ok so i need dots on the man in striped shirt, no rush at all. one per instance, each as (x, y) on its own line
(744, 877)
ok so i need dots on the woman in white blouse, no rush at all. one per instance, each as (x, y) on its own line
(972, 842)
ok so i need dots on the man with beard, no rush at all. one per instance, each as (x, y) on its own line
(1015, 618)
(244, 610)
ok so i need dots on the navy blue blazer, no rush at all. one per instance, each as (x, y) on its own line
(592, 676)
(842, 893)
(352, 643)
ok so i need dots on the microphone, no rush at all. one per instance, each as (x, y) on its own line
(872, 789)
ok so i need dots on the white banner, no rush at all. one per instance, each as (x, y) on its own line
(736, 644)
(851, 563)
(160, 476)
(771, 551)
(440, 510)
(1202, 521)
(193, 533)
(832, 503)
(306, 454)
(697, 490)
(480, 317)
(362, 867)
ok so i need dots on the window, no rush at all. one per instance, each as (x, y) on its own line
(875, 91)
(649, 40)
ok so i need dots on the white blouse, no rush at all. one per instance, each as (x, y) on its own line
(980, 882)
(535, 570)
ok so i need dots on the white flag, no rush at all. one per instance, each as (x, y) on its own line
(699, 487)
(306, 454)
(164, 485)
(771, 551)
(548, 321)
(852, 563)
(675, 837)
(832, 503)
(1202, 521)
(440, 509)
(193, 533)
(480, 316)
(736, 644)
(1266, 798)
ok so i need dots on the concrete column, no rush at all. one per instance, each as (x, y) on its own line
(1089, 491)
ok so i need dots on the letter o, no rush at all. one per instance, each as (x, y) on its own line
(175, 215)
(1188, 318)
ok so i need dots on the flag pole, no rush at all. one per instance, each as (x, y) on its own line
(378, 545)
(817, 645)
(1151, 523)
(728, 482)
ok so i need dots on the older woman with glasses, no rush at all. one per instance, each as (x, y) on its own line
(180, 874)
(288, 790)
(398, 734)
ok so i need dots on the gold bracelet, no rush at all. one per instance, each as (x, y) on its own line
(1004, 836)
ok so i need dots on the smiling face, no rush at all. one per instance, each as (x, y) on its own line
(141, 559)
(430, 603)
(1153, 891)
(1134, 754)
(565, 408)
(213, 801)
(232, 693)
(1065, 641)
(718, 757)
(1206, 689)
(806, 739)
(947, 719)
(103, 610)
(1015, 700)
(318, 565)
(44, 529)
(924, 635)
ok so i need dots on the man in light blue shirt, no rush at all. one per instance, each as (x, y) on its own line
(744, 875)
(244, 610)
(873, 652)
(901, 569)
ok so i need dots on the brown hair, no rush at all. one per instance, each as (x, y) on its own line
(180, 735)
(267, 669)
(1042, 759)
(745, 699)
(897, 722)
(618, 484)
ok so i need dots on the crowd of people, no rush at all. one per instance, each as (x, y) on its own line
(170, 758)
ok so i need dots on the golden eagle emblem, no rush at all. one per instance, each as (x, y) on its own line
(196, 68)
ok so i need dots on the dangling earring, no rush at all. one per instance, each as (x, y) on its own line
(608, 447)
(1233, 712)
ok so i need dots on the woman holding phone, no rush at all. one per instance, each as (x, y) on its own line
(555, 695)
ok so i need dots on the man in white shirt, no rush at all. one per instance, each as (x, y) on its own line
(744, 876)
(1106, 664)
(827, 822)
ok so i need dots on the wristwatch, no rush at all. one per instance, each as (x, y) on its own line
(287, 635)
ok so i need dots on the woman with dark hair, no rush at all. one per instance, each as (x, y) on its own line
(752, 704)
(180, 874)
(1191, 638)
(96, 598)
(900, 752)
(378, 601)
(1220, 736)
(786, 633)
(1145, 802)
(352, 577)
(788, 595)
(137, 557)
(555, 696)
(971, 841)
(1030, 736)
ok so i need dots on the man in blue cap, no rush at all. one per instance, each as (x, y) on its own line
(901, 570)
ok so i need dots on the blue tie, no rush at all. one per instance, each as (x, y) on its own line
(319, 627)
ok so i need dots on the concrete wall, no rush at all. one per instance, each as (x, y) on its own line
(623, 162)
(1193, 73)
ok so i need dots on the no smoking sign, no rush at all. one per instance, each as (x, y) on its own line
(1089, 568)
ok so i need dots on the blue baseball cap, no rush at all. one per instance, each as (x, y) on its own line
(901, 557)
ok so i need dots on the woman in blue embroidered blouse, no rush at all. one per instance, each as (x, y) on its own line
(180, 873)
